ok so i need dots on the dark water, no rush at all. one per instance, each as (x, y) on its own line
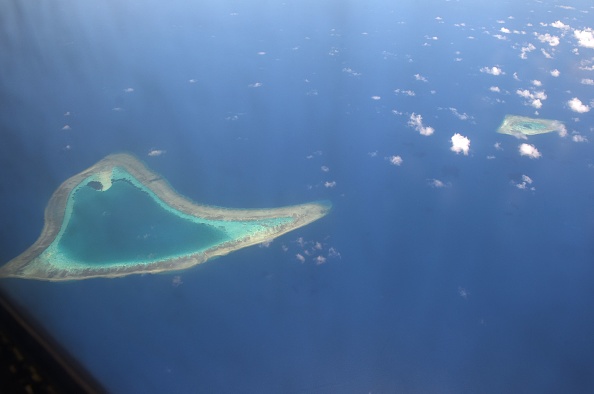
(483, 283)
(124, 223)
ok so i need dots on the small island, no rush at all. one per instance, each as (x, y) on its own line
(522, 126)
(119, 218)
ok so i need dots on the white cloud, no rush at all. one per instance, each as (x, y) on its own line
(533, 98)
(527, 49)
(504, 30)
(376, 98)
(578, 138)
(524, 185)
(395, 160)
(405, 92)
(546, 54)
(320, 260)
(421, 78)
(325, 168)
(492, 70)
(560, 25)
(530, 151)
(330, 184)
(128, 90)
(300, 257)
(461, 116)
(587, 81)
(156, 152)
(460, 144)
(585, 37)
(536, 82)
(555, 73)
(436, 183)
(495, 89)
(576, 105)
(552, 40)
(416, 121)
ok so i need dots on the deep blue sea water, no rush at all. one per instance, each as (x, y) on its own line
(443, 273)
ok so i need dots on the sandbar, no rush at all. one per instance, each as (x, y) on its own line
(49, 258)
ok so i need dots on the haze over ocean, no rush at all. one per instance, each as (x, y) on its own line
(460, 264)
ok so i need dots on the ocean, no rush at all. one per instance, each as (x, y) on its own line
(447, 264)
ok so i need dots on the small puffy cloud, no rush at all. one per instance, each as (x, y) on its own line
(536, 82)
(587, 81)
(255, 85)
(492, 70)
(416, 121)
(585, 37)
(533, 98)
(546, 54)
(320, 260)
(551, 40)
(576, 105)
(395, 160)
(376, 98)
(128, 90)
(300, 257)
(504, 30)
(529, 48)
(325, 168)
(529, 150)
(156, 152)
(578, 138)
(405, 92)
(555, 73)
(497, 146)
(560, 25)
(525, 184)
(66, 127)
(330, 184)
(461, 116)
(460, 144)
(419, 77)
(495, 89)
(436, 183)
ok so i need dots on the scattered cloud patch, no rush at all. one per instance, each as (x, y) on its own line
(436, 183)
(416, 121)
(128, 90)
(587, 81)
(533, 98)
(529, 150)
(325, 168)
(523, 52)
(578, 138)
(460, 144)
(560, 25)
(156, 152)
(330, 184)
(419, 77)
(492, 70)
(66, 127)
(255, 85)
(405, 92)
(551, 40)
(585, 37)
(395, 160)
(376, 98)
(495, 89)
(525, 183)
(555, 73)
(576, 105)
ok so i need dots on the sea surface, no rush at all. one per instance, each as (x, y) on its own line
(455, 259)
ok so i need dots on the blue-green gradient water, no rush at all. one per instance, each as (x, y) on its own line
(124, 223)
